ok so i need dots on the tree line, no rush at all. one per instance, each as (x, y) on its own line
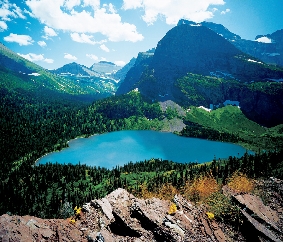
(44, 190)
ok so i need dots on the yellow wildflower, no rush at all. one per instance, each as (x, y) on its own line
(210, 215)
(72, 221)
(172, 209)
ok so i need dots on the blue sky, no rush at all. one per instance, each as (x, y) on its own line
(52, 33)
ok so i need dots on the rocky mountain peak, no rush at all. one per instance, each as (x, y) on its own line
(105, 67)
(187, 49)
(217, 28)
(72, 69)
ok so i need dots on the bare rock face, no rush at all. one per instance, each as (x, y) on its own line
(27, 229)
(120, 216)
(262, 222)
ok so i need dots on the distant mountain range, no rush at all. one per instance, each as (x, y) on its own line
(100, 69)
(102, 76)
(79, 82)
(195, 65)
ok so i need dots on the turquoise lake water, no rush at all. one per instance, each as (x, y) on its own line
(118, 148)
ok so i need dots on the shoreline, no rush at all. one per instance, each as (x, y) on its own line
(52, 160)
(79, 137)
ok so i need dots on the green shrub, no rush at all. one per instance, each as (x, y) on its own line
(223, 208)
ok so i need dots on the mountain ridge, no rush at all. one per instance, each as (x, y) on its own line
(198, 50)
(269, 52)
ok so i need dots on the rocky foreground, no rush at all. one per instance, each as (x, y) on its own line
(120, 216)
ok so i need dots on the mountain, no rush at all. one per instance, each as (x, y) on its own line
(121, 74)
(99, 77)
(20, 75)
(74, 69)
(105, 67)
(218, 28)
(270, 52)
(219, 72)
(134, 74)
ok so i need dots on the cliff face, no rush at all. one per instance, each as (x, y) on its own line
(185, 49)
(132, 77)
(122, 217)
(190, 49)
(121, 74)
(197, 49)
(269, 50)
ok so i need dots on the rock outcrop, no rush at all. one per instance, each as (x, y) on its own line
(261, 221)
(120, 216)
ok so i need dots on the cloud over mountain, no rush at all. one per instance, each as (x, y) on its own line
(173, 10)
(72, 16)
(70, 57)
(35, 57)
(85, 38)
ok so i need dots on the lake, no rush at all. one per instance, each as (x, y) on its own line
(118, 148)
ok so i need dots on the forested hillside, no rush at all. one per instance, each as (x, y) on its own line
(40, 112)
(32, 127)
(53, 190)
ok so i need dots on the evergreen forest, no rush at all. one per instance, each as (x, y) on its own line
(33, 125)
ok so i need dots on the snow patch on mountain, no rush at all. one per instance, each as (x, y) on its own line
(264, 39)
(250, 60)
(204, 108)
(34, 74)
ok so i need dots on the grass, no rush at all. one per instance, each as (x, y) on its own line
(230, 119)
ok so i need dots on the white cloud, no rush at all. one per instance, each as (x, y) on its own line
(226, 11)
(70, 4)
(49, 32)
(95, 4)
(70, 57)
(49, 61)
(3, 26)
(110, 7)
(103, 20)
(92, 56)
(264, 39)
(214, 10)
(34, 57)
(9, 11)
(18, 11)
(119, 63)
(41, 43)
(20, 39)
(174, 10)
(84, 38)
(132, 4)
(104, 48)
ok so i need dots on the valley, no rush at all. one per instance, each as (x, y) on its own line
(216, 90)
